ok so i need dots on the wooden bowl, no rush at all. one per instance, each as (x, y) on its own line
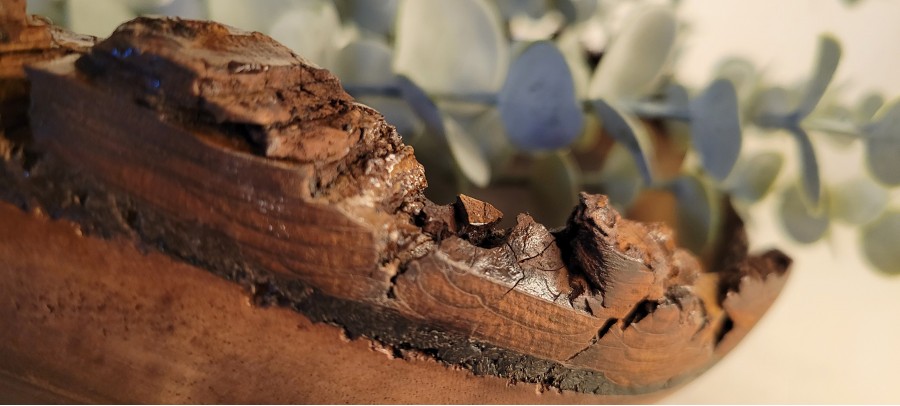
(194, 214)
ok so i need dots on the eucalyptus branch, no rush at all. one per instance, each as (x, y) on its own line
(835, 126)
(653, 109)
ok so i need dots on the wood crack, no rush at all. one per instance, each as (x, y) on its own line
(600, 333)
(353, 241)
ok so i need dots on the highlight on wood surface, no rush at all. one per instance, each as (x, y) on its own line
(212, 149)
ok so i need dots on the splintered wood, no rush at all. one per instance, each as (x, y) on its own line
(223, 149)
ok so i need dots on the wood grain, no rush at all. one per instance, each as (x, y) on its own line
(186, 336)
(224, 150)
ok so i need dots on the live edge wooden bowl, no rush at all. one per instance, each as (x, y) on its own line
(191, 213)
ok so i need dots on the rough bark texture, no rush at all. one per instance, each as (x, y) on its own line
(223, 150)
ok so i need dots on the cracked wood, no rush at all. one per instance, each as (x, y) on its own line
(224, 149)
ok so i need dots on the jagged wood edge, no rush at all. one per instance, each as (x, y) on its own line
(113, 214)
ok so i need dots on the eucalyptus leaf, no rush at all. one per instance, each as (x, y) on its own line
(249, 16)
(809, 165)
(740, 72)
(488, 130)
(451, 47)
(753, 178)
(829, 56)
(631, 134)
(54, 10)
(635, 58)
(524, 28)
(716, 128)
(373, 16)
(365, 62)
(397, 113)
(467, 153)
(555, 184)
(867, 106)
(832, 110)
(569, 43)
(857, 201)
(771, 107)
(310, 28)
(883, 146)
(465, 113)
(677, 99)
(97, 17)
(146, 4)
(577, 10)
(538, 102)
(698, 212)
(879, 242)
(620, 179)
(531, 8)
(422, 105)
(441, 171)
(193, 9)
(801, 222)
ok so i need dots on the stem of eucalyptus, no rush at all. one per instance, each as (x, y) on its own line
(834, 126)
(651, 109)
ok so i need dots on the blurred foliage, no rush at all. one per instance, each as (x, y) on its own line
(518, 91)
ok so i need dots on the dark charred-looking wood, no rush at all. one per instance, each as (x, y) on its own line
(224, 150)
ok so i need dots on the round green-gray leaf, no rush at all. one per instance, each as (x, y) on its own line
(619, 178)
(677, 100)
(631, 134)
(569, 43)
(879, 242)
(451, 47)
(487, 129)
(51, 9)
(716, 128)
(365, 62)
(867, 106)
(753, 178)
(244, 15)
(740, 72)
(801, 222)
(309, 28)
(698, 212)
(812, 185)
(636, 56)
(858, 201)
(373, 16)
(538, 102)
(443, 175)
(578, 10)
(883, 146)
(828, 58)
(555, 184)
(397, 113)
(771, 107)
(511, 8)
(195, 10)
(97, 17)
(422, 105)
(467, 153)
